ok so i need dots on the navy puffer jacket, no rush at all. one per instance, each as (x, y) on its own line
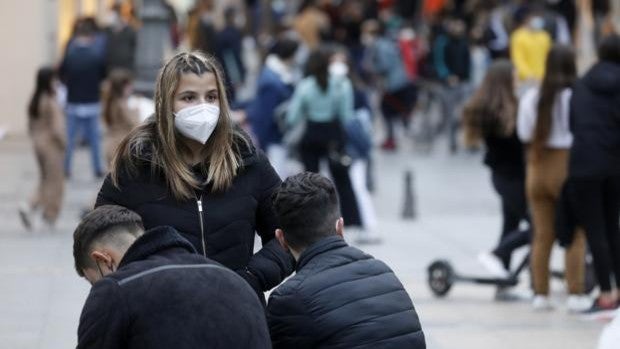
(342, 298)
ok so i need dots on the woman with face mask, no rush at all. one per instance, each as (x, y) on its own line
(529, 45)
(188, 167)
(323, 100)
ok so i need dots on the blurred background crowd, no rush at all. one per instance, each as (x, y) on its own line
(323, 85)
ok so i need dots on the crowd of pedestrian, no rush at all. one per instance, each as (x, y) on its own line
(185, 191)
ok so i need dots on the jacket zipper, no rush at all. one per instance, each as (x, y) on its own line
(202, 228)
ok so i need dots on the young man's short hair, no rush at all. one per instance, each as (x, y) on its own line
(105, 223)
(307, 207)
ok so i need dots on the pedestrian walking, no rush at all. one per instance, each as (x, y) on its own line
(152, 290)
(452, 62)
(490, 116)
(188, 167)
(359, 146)
(383, 59)
(340, 297)
(82, 71)
(542, 124)
(324, 103)
(46, 128)
(121, 41)
(273, 92)
(228, 51)
(118, 116)
(529, 45)
(594, 166)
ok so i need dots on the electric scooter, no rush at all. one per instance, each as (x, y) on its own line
(442, 276)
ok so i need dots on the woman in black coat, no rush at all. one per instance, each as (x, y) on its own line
(490, 117)
(189, 168)
(594, 167)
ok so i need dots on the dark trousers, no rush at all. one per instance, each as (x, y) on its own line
(320, 141)
(511, 190)
(398, 105)
(597, 209)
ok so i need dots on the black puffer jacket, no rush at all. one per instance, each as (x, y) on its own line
(165, 295)
(342, 298)
(230, 219)
(595, 123)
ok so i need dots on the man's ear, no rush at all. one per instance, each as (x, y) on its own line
(99, 256)
(281, 240)
(340, 227)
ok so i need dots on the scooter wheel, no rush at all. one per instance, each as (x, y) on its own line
(440, 277)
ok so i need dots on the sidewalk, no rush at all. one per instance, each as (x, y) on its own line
(458, 216)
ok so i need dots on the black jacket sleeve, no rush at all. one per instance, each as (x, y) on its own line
(103, 322)
(272, 263)
(290, 325)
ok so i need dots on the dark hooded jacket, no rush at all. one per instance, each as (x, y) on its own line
(230, 219)
(595, 123)
(165, 295)
(342, 298)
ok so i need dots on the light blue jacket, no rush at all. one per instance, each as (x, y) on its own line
(386, 61)
(310, 102)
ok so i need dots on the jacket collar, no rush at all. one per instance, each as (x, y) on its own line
(320, 247)
(154, 241)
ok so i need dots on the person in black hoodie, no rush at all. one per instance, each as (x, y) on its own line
(152, 290)
(189, 168)
(340, 296)
(594, 166)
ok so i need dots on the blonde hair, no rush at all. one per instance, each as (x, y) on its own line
(221, 156)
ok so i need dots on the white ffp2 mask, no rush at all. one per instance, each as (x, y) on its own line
(197, 122)
(338, 69)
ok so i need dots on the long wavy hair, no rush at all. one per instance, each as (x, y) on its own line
(113, 91)
(560, 73)
(44, 85)
(492, 110)
(164, 145)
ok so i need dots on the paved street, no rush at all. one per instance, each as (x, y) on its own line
(458, 216)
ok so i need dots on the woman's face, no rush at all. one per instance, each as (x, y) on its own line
(196, 89)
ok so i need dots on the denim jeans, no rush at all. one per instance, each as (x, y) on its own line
(83, 119)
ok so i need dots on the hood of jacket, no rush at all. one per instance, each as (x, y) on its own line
(154, 241)
(604, 78)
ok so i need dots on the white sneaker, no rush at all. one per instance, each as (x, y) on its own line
(578, 303)
(493, 265)
(541, 303)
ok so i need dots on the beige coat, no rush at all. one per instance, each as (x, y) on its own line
(48, 137)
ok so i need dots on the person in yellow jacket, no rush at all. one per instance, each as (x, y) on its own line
(529, 45)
